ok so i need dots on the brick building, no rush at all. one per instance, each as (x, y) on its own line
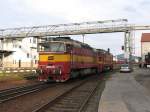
(145, 45)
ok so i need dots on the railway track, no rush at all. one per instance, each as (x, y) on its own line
(12, 93)
(73, 100)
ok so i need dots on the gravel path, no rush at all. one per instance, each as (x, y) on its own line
(16, 83)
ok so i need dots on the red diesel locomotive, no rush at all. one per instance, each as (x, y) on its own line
(62, 58)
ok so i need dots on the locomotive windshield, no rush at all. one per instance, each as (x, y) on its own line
(51, 47)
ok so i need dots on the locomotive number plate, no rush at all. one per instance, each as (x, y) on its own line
(50, 57)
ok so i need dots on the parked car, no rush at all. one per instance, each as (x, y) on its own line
(126, 68)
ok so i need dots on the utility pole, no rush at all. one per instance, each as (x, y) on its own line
(2, 48)
(127, 46)
(83, 35)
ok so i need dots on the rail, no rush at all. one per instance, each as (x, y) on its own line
(73, 99)
(12, 93)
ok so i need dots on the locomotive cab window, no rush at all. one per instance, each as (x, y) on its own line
(52, 47)
(69, 47)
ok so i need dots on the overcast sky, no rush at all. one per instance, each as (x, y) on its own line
(16, 13)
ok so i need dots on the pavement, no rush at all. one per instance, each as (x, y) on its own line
(123, 93)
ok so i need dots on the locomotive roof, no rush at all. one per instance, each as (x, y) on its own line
(75, 43)
(69, 41)
(103, 51)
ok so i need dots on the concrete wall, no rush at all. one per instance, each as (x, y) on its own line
(9, 64)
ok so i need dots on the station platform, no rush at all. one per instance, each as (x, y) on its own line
(123, 93)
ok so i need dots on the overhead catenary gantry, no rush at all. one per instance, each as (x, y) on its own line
(107, 26)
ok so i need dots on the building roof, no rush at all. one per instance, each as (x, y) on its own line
(145, 37)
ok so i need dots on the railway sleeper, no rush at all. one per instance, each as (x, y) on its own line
(67, 106)
(53, 109)
(73, 101)
(76, 97)
(70, 102)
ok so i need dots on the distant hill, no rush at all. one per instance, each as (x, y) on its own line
(121, 57)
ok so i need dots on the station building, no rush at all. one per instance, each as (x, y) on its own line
(18, 53)
(145, 45)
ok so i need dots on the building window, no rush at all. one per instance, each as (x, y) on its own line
(30, 40)
(35, 61)
(20, 46)
(14, 61)
(34, 57)
(28, 55)
(34, 40)
(14, 46)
